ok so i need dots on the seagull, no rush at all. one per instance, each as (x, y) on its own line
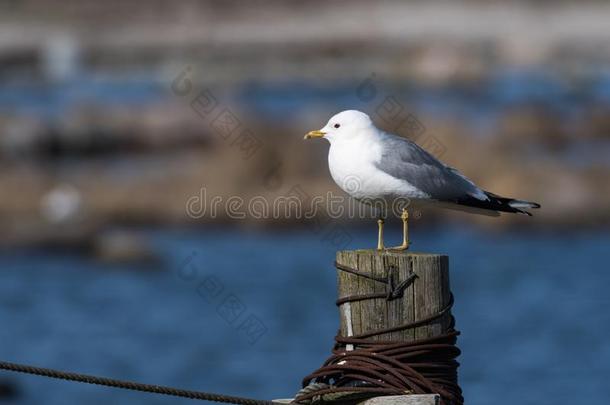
(372, 166)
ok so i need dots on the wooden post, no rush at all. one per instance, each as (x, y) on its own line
(424, 295)
(427, 295)
(426, 399)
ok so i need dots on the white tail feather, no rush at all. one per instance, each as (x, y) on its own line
(523, 204)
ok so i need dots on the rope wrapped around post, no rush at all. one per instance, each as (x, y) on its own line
(386, 367)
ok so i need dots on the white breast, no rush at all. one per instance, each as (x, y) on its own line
(352, 167)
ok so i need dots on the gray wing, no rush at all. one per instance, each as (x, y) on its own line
(405, 160)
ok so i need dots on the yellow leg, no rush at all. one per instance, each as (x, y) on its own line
(405, 231)
(380, 236)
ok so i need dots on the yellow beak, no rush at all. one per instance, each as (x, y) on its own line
(314, 134)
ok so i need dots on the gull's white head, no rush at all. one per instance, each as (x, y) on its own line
(344, 125)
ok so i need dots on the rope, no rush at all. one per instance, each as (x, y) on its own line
(425, 366)
(393, 290)
(129, 385)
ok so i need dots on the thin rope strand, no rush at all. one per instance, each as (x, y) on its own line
(130, 385)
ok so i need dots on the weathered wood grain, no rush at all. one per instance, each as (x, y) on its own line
(428, 294)
(426, 399)
(431, 293)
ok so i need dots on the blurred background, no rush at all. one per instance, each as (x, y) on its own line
(120, 121)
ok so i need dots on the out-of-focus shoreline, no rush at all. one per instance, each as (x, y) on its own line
(103, 120)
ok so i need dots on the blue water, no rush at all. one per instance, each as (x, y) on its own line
(487, 99)
(532, 308)
(473, 102)
(52, 100)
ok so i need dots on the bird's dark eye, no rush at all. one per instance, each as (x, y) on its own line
(337, 125)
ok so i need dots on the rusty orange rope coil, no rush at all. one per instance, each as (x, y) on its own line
(425, 366)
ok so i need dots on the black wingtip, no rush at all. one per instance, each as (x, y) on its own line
(500, 204)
